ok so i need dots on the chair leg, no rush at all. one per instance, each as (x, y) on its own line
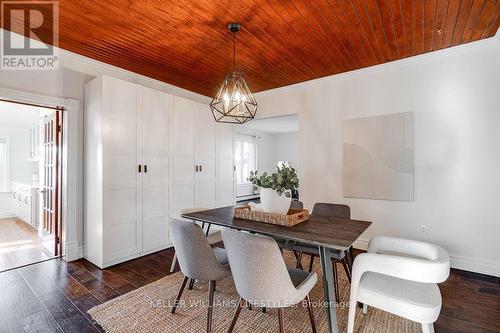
(281, 320)
(174, 261)
(351, 256)
(311, 262)
(191, 284)
(298, 259)
(352, 316)
(428, 328)
(345, 263)
(236, 315)
(179, 294)
(311, 314)
(335, 280)
(211, 289)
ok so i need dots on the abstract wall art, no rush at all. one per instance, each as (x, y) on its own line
(378, 161)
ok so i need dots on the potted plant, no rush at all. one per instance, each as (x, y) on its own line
(276, 189)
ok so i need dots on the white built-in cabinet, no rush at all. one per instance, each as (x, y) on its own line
(148, 155)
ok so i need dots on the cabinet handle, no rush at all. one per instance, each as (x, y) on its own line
(139, 168)
(196, 168)
(201, 169)
(145, 169)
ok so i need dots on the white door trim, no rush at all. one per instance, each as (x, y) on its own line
(72, 191)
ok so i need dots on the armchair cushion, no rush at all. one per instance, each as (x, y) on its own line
(420, 302)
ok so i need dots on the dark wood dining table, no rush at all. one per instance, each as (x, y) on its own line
(331, 235)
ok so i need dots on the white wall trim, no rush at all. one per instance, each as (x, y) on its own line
(6, 214)
(457, 262)
(472, 265)
(451, 51)
(72, 251)
(82, 64)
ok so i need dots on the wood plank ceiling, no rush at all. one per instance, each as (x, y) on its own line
(186, 42)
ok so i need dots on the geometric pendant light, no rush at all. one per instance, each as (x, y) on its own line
(234, 102)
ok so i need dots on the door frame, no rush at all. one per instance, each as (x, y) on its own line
(72, 165)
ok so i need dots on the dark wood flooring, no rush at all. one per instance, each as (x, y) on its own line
(54, 296)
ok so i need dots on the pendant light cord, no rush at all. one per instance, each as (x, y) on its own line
(234, 50)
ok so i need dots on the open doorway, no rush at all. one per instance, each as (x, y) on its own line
(30, 183)
(263, 144)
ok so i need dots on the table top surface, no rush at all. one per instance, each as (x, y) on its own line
(334, 233)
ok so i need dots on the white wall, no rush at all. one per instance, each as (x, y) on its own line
(455, 95)
(274, 147)
(15, 121)
(286, 148)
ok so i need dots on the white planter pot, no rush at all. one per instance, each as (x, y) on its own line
(272, 202)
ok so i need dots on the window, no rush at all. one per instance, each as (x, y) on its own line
(4, 163)
(245, 157)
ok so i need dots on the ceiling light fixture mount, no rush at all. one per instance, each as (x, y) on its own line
(234, 102)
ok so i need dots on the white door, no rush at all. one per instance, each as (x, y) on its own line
(206, 158)
(156, 120)
(122, 182)
(227, 185)
(184, 178)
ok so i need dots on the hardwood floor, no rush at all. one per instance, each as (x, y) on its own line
(54, 296)
(19, 244)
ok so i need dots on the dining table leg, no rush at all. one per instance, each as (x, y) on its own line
(329, 287)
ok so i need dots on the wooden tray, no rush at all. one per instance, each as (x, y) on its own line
(293, 217)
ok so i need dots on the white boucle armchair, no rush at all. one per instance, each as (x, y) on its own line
(400, 276)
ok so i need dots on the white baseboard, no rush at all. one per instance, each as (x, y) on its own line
(73, 251)
(466, 264)
(472, 265)
(4, 215)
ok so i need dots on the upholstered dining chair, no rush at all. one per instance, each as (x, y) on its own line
(213, 235)
(284, 244)
(296, 204)
(198, 260)
(400, 276)
(262, 278)
(327, 210)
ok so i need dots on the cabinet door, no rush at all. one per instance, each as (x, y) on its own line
(156, 120)
(206, 158)
(184, 179)
(122, 183)
(226, 165)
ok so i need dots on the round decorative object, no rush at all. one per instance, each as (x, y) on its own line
(272, 202)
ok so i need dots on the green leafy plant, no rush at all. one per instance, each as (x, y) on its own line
(282, 181)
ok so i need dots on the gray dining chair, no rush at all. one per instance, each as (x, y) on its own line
(284, 244)
(262, 278)
(296, 204)
(198, 260)
(327, 210)
(213, 235)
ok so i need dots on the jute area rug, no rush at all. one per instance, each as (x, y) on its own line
(147, 309)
